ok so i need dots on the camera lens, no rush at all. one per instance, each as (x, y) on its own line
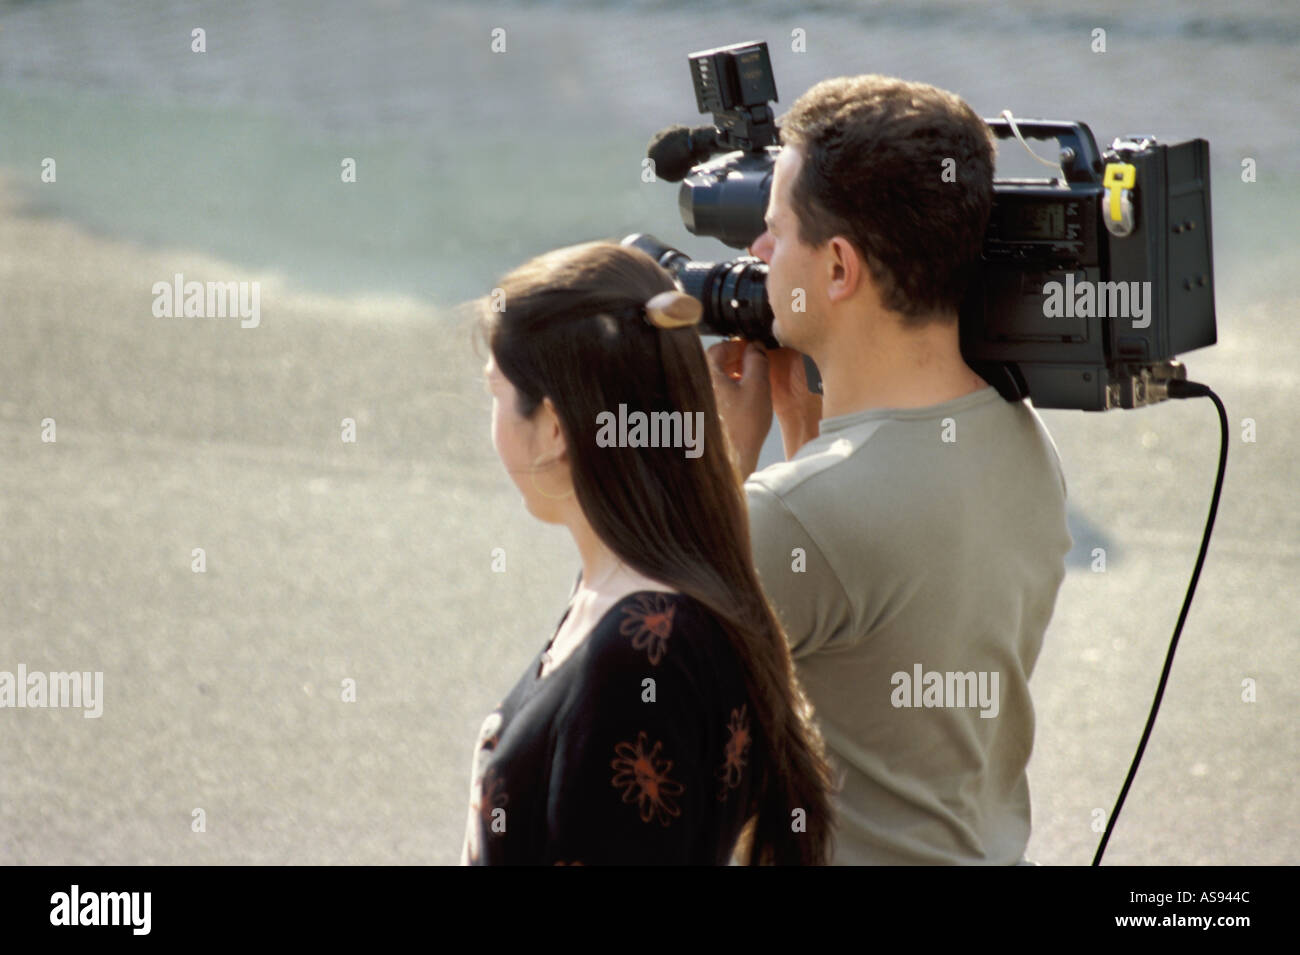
(734, 293)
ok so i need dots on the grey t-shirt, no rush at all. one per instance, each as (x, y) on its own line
(914, 556)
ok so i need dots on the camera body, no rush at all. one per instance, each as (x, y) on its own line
(1087, 289)
(1089, 283)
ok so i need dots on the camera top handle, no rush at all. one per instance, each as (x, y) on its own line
(1080, 160)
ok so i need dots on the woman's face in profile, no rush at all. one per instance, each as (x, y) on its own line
(514, 438)
(509, 430)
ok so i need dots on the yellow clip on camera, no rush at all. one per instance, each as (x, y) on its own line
(1119, 178)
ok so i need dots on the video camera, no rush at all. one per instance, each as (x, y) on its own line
(1089, 284)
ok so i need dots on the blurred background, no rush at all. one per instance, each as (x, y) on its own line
(371, 561)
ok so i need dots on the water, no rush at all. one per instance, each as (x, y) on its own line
(469, 160)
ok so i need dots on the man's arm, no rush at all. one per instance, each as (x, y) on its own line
(741, 392)
(805, 591)
(796, 431)
(797, 410)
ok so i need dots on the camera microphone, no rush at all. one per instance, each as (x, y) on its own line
(676, 149)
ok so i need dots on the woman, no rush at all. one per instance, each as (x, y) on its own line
(663, 722)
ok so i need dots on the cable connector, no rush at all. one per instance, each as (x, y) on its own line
(1181, 388)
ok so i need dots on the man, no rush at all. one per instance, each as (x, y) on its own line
(914, 541)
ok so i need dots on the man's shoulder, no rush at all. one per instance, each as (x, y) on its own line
(815, 463)
(818, 460)
(903, 449)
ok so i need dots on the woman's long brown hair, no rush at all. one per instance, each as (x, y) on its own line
(570, 326)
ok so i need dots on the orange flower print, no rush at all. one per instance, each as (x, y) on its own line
(643, 776)
(649, 624)
(733, 765)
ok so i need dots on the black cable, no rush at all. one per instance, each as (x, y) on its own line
(1177, 389)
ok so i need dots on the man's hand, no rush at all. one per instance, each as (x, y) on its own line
(742, 392)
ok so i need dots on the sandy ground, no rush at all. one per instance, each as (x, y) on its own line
(371, 561)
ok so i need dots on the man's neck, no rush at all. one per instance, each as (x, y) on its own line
(905, 370)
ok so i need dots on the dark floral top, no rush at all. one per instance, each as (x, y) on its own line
(637, 749)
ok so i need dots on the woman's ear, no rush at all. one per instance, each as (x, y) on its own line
(550, 435)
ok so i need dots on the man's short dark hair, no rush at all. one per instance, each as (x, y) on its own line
(874, 161)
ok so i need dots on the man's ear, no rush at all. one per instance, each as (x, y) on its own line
(847, 270)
